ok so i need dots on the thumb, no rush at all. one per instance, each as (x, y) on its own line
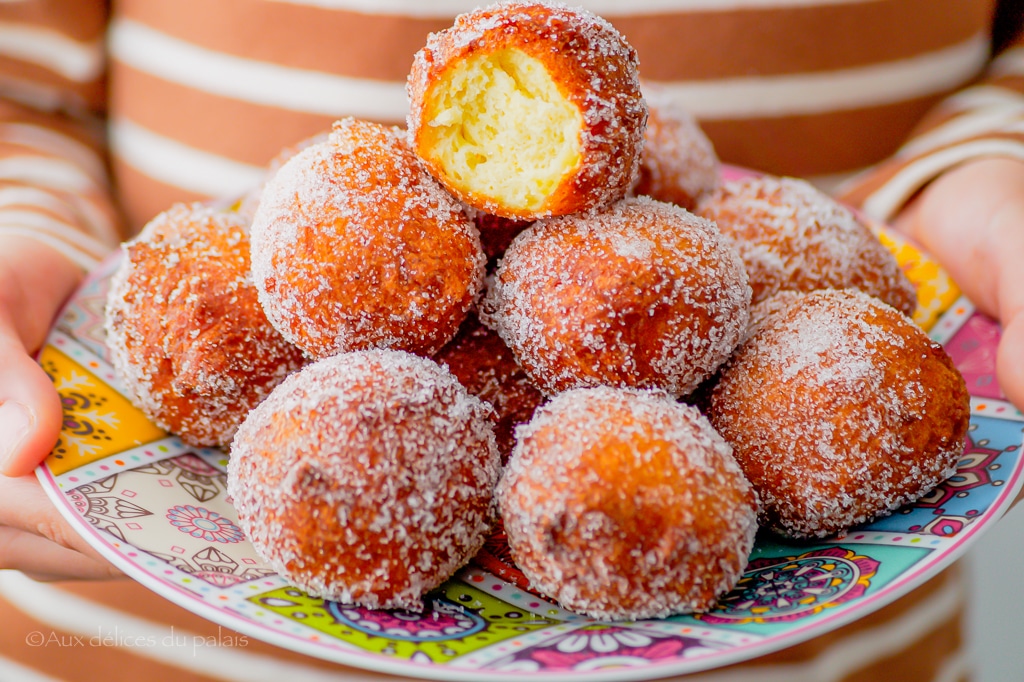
(30, 409)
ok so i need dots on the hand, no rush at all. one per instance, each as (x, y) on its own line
(35, 538)
(34, 281)
(972, 220)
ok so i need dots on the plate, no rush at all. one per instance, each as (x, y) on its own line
(158, 510)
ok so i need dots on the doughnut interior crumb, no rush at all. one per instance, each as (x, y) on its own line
(499, 127)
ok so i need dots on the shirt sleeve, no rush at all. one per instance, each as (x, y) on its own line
(54, 182)
(983, 120)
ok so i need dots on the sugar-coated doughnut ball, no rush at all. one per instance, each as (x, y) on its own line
(643, 294)
(482, 363)
(792, 235)
(625, 504)
(763, 311)
(368, 478)
(528, 109)
(355, 246)
(678, 163)
(187, 336)
(839, 410)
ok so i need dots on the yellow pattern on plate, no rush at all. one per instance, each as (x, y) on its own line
(98, 421)
(936, 292)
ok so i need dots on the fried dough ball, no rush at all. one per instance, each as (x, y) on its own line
(528, 109)
(678, 163)
(765, 310)
(187, 336)
(355, 246)
(793, 236)
(482, 363)
(367, 478)
(642, 295)
(625, 504)
(839, 410)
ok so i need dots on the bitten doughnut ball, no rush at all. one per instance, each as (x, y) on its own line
(641, 295)
(366, 478)
(839, 410)
(187, 336)
(793, 236)
(526, 110)
(355, 246)
(624, 504)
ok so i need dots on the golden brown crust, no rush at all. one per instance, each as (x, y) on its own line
(626, 504)
(839, 409)
(187, 335)
(355, 246)
(678, 163)
(486, 367)
(367, 478)
(593, 67)
(642, 295)
(793, 236)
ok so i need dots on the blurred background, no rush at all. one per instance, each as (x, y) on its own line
(996, 566)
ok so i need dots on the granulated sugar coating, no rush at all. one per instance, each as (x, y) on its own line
(355, 246)
(642, 295)
(187, 336)
(765, 310)
(793, 236)
(624, 504)
(366, 478)
(839, 410)
(678, 163)
(528, 109)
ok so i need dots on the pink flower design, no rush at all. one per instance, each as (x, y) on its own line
(204, 524)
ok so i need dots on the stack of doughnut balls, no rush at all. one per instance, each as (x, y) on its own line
(537, 304)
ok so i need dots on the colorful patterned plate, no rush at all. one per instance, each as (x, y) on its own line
(158, 510)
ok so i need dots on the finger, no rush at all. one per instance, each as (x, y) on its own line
(44, 560)
(1008, 232)
(30, 409)
(25, 507)
(969, 220)
(1007, 245)
(1010, 361)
